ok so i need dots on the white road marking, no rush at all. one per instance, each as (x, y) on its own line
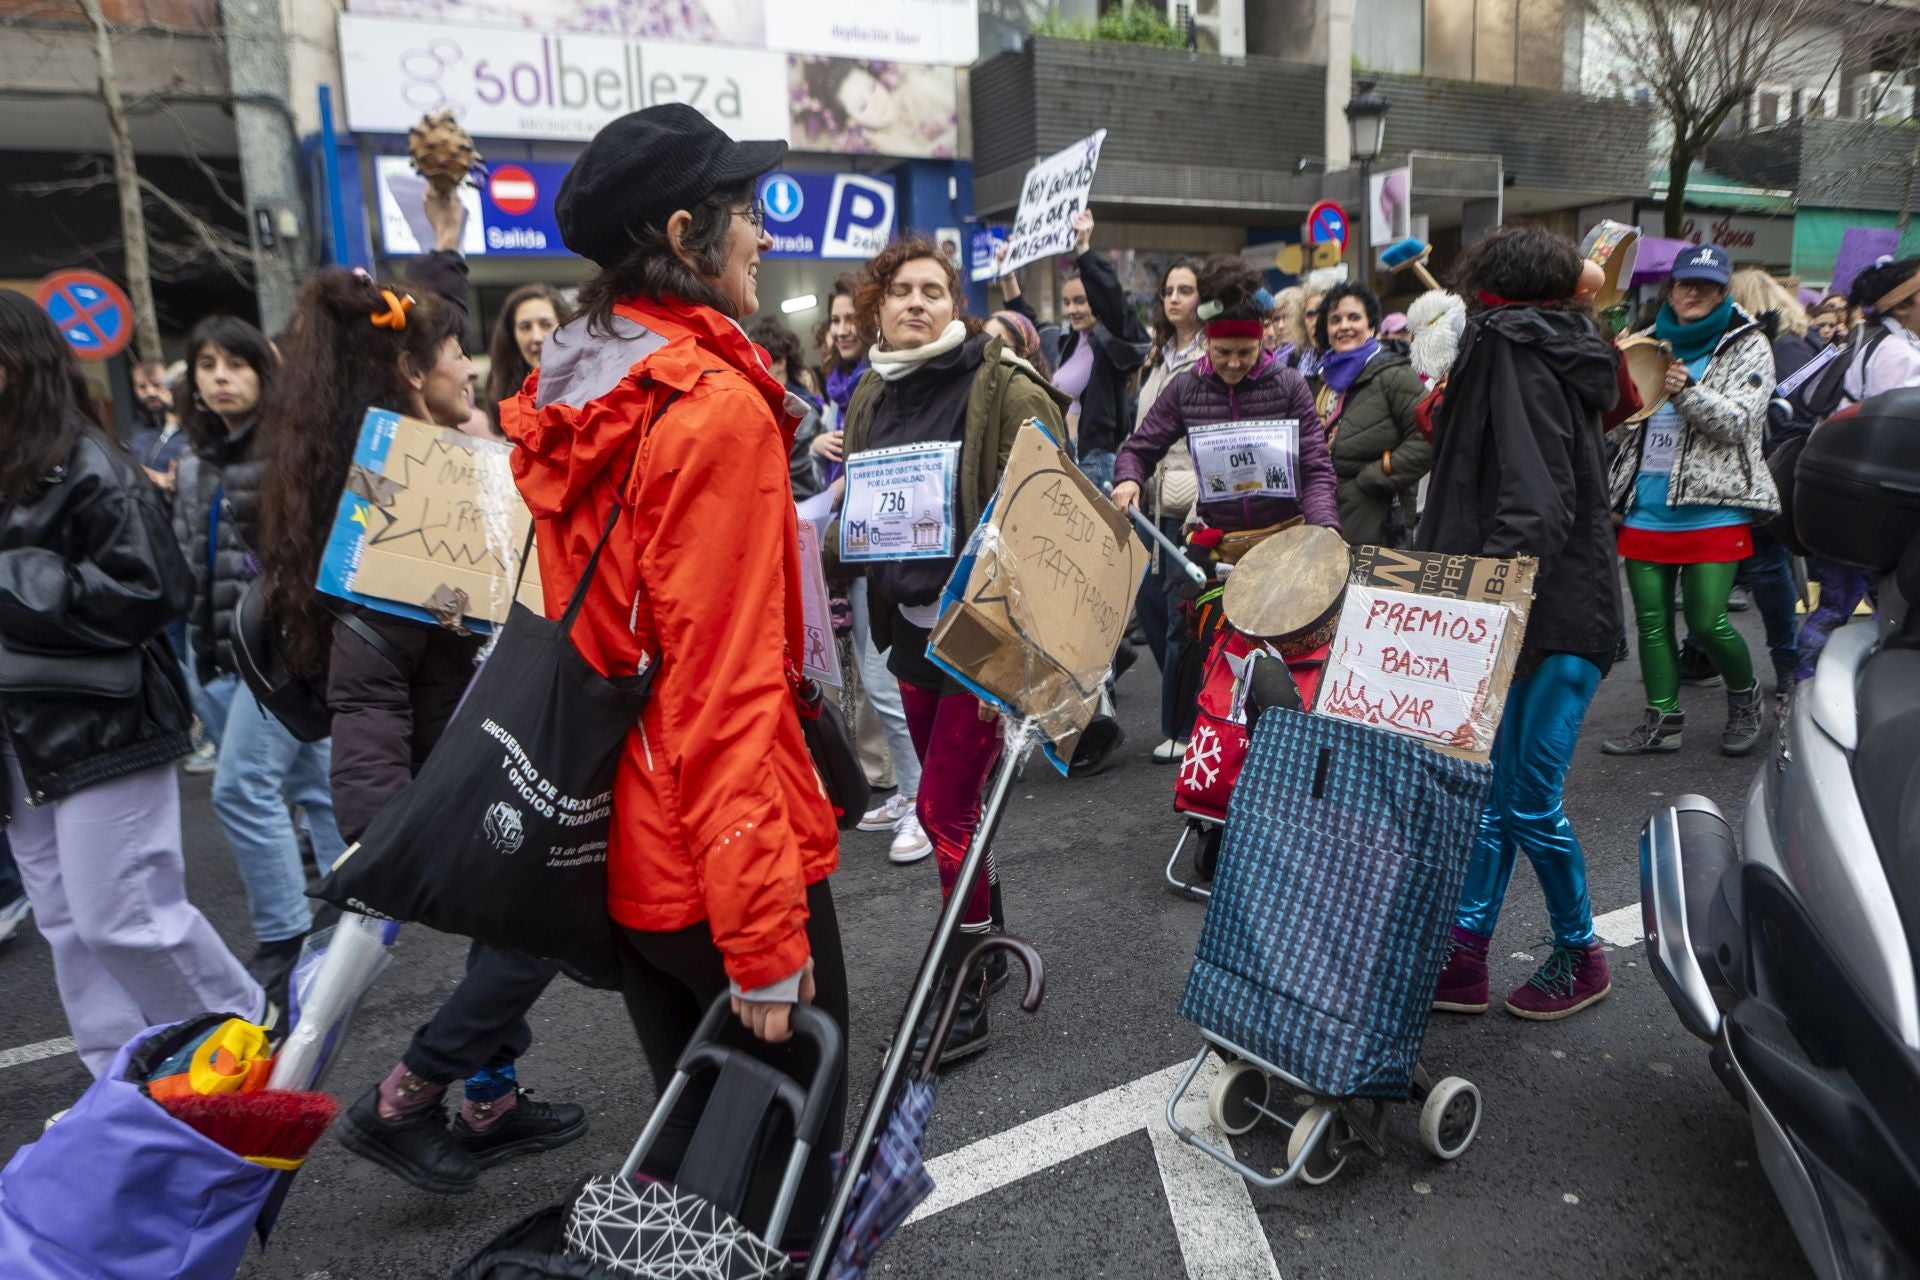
(1620, 928)
(1220, 1235)
(34, 1052)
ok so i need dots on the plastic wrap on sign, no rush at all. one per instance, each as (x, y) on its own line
(430, 526)
(1427, 645)
(1041, 597)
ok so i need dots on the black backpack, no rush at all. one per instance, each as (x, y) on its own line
(1826, 390)
(299, 703)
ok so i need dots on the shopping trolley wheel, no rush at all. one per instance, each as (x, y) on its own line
(1238, 1093)
(1450, 1117)
(1207, 856)
(1321, 1165)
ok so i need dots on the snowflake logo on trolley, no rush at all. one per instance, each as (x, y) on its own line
(503, 827)
(1202, 766)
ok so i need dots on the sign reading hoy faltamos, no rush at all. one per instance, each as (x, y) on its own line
(514, 84)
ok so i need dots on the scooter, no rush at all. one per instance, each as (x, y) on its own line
(1792, 952)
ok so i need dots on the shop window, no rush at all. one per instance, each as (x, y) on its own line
(1388, 34)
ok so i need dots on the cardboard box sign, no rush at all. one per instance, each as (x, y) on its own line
(429, 527)
(1050, 587)
(1427, 645)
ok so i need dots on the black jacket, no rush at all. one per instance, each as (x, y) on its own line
(216, 516)
(1120, 345)
(89, 566)
(387, 716)
(1520, 469)
(1791, 351)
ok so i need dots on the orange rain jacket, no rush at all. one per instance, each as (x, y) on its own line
(719, 813)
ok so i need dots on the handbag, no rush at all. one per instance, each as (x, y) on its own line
(113, 674)
(502, 836)
(298, 702)
(824, 727)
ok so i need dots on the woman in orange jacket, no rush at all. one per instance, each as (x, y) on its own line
(654, 399)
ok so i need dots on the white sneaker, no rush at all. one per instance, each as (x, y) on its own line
(202, 762)
(910, 840)
(1169, 752)
(12, 914)
(887, 816)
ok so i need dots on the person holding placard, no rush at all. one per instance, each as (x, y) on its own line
(1521, 471)
(929, 430)
(1691, 480)
(1104, 344)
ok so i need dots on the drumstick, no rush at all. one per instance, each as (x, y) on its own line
(1167, 544)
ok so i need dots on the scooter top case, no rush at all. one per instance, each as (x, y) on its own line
(1856, 495)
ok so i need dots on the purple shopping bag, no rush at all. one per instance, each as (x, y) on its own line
(120, 1190)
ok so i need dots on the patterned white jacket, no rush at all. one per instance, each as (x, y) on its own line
(1721, 459)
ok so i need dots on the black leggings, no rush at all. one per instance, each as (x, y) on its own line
(670, 980)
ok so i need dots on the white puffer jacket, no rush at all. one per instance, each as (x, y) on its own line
(1721, 459)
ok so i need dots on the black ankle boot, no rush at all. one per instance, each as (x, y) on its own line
(970, 1031)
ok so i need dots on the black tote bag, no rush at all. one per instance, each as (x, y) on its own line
(502, 836)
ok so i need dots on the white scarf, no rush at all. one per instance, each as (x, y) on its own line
(895, 365)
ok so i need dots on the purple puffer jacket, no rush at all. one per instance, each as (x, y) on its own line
(1198, 397)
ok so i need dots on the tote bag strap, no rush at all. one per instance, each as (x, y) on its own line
(579, 597)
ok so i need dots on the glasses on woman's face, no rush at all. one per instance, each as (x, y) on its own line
(756, 213)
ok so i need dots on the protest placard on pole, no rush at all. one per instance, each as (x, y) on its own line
(1051, 196)
(1041, 599)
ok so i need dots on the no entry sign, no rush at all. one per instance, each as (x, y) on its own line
(92, 311)
(1327, 224)
(513, 189)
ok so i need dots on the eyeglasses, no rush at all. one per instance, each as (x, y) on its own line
(756, 213)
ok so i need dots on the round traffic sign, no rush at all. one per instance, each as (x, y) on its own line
(513, 189)
(92, 311)
(781, 196)
(1327, 224)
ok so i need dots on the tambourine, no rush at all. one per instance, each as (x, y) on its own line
(1287, 591)
(1616, 247)
(1648, 360)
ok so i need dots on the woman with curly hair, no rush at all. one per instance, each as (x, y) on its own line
(1521, 471)
(939, 382)
(531, 314)
(1367, 398)
(355, 345)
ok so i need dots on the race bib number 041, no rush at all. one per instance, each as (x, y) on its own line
(1247, 459)
(899, 503)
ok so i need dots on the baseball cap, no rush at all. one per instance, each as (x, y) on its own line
(1707, 262)
(642, 167)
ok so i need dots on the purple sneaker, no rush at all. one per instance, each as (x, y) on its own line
(1463, 983)
(1570, 980)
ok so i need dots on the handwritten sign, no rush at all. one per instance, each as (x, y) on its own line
(1417, 665)
(1052, 195)
(1048, 586)
(822, 658)
(430, 527)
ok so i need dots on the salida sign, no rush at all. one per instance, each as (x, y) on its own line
(509, 84)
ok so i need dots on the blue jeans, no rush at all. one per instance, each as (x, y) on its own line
(263, 768)
(1158, 609)
(1767, 575)
(1530, 758)
(1097, 464)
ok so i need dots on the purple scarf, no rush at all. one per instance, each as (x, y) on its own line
(840, 384)
(1339, 369)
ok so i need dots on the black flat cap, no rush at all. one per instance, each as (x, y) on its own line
(642, 167)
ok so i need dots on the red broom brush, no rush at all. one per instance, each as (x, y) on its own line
(270, 1127)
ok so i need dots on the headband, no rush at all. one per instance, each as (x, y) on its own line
(1235, 329)
(395, 315)
(1898, 294)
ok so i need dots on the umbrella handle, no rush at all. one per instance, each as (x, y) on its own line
(1030, 1001)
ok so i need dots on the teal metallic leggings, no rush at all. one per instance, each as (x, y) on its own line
(1530, 758)
(1703, 589)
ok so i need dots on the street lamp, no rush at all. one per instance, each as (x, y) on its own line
(1367, 127)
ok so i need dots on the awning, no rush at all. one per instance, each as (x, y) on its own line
(1817, 232)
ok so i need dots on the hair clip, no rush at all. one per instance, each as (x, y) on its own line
(395, 316)
(1209, 309)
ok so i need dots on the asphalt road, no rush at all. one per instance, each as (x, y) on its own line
(1606, 1149)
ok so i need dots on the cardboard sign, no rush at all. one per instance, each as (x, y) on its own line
(429, 527)
(1427, 645)
(1051, 196)
(1042, 597)
(822, 657)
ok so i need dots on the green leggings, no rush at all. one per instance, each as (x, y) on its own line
(1704, 589)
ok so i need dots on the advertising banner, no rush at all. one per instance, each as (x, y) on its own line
(504, 83)
(934, 31)
(827, 215)
(1053, 194)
